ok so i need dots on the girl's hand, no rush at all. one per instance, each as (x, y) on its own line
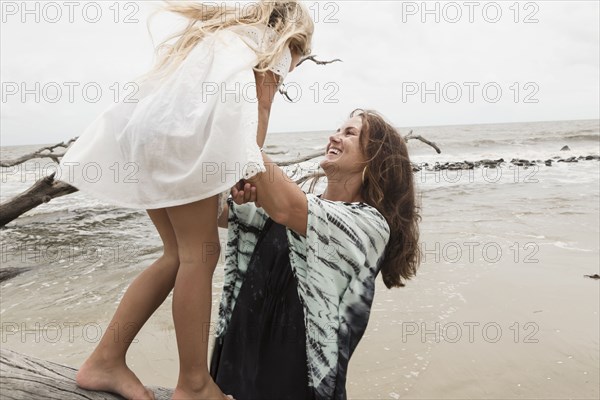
(243, 193)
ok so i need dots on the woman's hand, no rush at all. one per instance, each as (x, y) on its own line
(244, 192)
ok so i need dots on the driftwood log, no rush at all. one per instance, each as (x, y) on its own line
(42, 191)
(47, 188)
(27, 378)
(10, 272)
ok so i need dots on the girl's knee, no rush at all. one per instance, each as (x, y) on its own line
(170, 259)
(205, 253)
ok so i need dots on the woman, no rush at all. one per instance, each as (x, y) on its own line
(300, 271)
(170, 153)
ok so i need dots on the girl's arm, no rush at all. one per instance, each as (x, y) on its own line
(266, 86)
(279, 196)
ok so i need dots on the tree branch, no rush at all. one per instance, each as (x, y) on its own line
(313, 58)
(39, 154)
(301, 159)
(422, 139)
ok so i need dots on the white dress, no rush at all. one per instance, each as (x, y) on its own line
(191, 135)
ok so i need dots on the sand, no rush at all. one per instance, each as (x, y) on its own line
(513, 331)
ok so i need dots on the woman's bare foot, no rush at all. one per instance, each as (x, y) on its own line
(112, 377)
(210, 391)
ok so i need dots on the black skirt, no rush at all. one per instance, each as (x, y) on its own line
(262, 355)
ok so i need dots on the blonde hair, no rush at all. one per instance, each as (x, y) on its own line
(288, 18)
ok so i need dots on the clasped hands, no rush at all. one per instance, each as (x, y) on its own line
(244, 192)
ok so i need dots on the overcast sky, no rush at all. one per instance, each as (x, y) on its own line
(440, 64)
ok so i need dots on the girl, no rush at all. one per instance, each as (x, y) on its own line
(196, 129)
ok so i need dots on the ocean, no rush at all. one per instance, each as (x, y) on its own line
(502, 245)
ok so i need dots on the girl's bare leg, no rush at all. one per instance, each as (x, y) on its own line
(105, 369)
(195, 227)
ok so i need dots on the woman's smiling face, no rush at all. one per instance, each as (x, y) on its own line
(343, 153)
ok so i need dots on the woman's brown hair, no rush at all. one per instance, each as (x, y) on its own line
(389, 187)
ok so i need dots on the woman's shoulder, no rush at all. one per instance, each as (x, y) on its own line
(358, 214)
(358, 207)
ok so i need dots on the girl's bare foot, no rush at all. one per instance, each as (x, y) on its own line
(209, 391)
(112, 377)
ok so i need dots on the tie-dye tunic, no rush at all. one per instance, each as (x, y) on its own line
(336, 265)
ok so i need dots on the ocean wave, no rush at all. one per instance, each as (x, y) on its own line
(560, 138)
(580, 136)
(566, 246)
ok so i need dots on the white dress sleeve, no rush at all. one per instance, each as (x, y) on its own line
(283, 64)
(259, 39)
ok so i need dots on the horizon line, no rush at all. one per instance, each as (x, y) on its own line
(397, 127)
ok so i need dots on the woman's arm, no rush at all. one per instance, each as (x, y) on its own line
(279, 196)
